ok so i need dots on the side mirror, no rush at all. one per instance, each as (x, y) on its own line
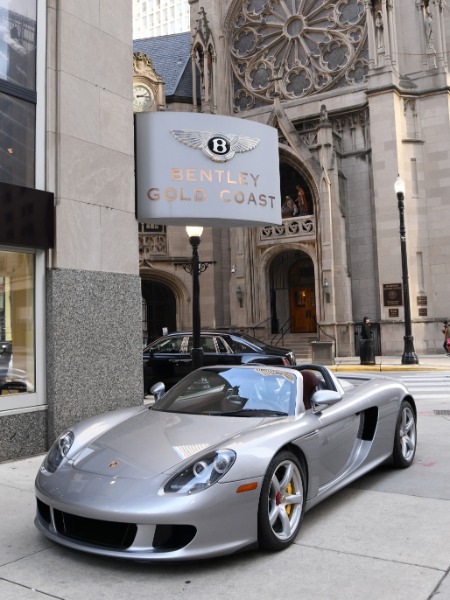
(158, 390)
(323, 398)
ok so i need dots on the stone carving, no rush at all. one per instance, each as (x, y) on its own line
(143, 66)
(379, 30)
(429, 28)
(302, 48)
(299, 227)
(151, 245)
(324, 114)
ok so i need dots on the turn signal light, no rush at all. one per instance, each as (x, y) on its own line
(247, 487)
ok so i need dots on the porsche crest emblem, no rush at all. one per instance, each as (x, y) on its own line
(219, 147)
(113, 464)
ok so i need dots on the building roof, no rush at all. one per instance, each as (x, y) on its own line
(171, 57)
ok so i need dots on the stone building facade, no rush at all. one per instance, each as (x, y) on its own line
(70, 293)
(358, 91)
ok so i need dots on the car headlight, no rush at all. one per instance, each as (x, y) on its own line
(58, 451)
(201, 474)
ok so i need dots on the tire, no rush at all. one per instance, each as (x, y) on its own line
(281, 504)
(405, 440)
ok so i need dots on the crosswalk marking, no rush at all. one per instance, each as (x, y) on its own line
(436, 386)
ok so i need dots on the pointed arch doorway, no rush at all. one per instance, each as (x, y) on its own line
(158, 309)
(292, 293)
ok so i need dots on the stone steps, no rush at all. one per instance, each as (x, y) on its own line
(299, 343)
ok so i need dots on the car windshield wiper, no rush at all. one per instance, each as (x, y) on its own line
(253, 412)
(243, 412)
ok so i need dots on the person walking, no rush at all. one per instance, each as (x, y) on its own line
(446, 332)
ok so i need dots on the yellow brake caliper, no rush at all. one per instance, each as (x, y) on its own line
(289, 491)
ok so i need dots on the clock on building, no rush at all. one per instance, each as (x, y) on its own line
(142, 96)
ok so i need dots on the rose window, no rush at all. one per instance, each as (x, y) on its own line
(296, 48)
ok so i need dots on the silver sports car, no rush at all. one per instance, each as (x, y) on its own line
(228, 459)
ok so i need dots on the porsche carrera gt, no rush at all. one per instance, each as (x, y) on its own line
(230, 458)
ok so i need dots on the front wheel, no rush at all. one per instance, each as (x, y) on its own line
(405, 440)
(281, 503)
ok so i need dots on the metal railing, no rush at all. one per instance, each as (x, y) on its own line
(252, 328)
(319, 327)
(285, 328)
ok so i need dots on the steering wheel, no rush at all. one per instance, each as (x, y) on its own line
(233, 398)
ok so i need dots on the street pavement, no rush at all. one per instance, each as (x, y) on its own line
(385, 537)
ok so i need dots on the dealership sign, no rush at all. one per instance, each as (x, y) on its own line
(197, 169)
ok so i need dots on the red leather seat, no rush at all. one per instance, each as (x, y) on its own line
(310, 385)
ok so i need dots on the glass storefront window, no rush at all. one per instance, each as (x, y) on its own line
(17, 324)
(22, 264)
(17, 134)
(17, 91)
(18, 42)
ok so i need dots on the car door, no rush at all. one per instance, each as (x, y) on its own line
(338, 429)
(211, 347)
(231, 350)
(168, 360)
(210, 350)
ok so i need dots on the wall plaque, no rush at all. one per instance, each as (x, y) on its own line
(392, 294)
(393, 312)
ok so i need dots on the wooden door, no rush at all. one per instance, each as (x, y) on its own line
(303, 310)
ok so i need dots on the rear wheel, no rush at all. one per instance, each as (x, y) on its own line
(281, 504)
(405, 440)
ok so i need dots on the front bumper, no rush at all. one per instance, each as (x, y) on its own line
(133, 519)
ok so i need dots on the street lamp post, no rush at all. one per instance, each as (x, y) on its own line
(195, 267)
(409, 356)
(194, 234)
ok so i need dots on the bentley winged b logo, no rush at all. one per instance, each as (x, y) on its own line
(219, 147)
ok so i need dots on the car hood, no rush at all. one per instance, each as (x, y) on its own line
(153, 442)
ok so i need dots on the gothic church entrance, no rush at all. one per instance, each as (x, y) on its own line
(292, 293)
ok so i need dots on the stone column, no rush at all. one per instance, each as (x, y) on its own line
(213, 82)
(206, 99)
(387, 33)
(336, 298)
(421, 30)
(391, 31)
(440, 44)
(194, 80)
(370, 34)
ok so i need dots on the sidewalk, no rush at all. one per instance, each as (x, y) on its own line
(385, 536)
(429, 362)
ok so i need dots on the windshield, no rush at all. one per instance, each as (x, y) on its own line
(232, 391)
(251, 340)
